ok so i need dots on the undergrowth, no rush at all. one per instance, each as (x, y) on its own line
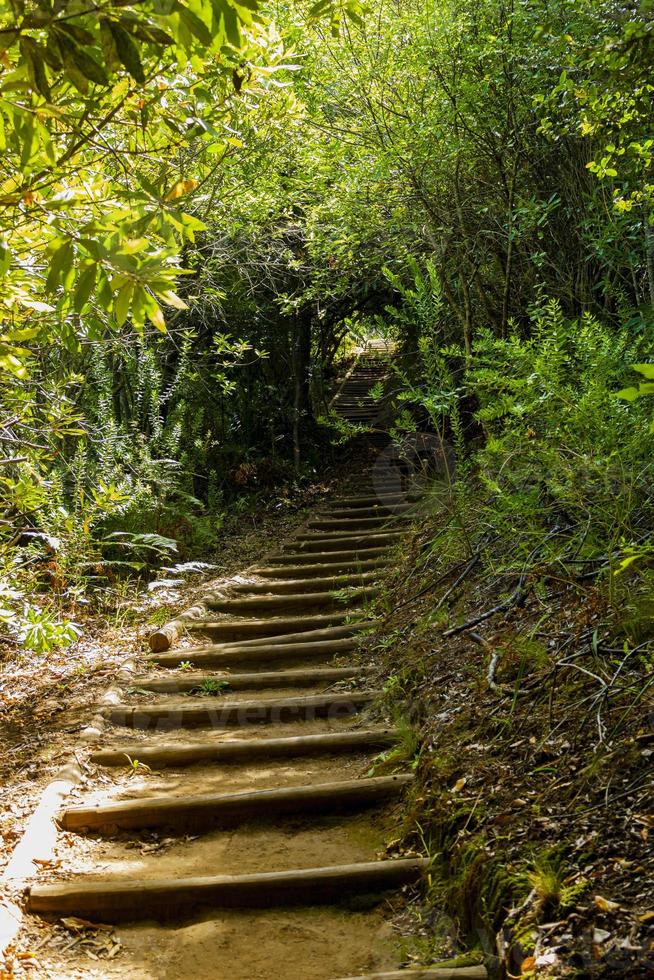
(522, 642)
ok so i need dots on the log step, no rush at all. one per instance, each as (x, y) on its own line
(376, 537)
(374, 500)
(326, 573)
(294, 586)
(353, 523)
(275, 653)
(327, 633)
(259, 680)
(366, 557)
(224, 810)
(245, 750)
(429, 973)
(242, 629)
(359, 411)
(120, 900)
(218, 713)
(387, 511)
(341, 542)
(275, 603)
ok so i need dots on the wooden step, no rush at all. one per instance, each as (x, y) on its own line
(370, 500)
(356, 401)
(238, 751)
(377, 537)
(388, 511)
(353, 524)
(361, 391)
(429, 973)
(343, 631)
(373, 499)
(125, 899)
(280, 603)
(216, 713)
(294, 586)
(347, 559)
(340, 542)
(369, 570)
(242, 629)
(224, 810)
(276, 653)
(259, 680)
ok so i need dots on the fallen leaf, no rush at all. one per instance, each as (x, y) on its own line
(79, 925)
(605, 904)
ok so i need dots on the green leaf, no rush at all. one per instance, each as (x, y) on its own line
(128, 52)
(172, 299)
(84, 288)
(34, 56)
(52, 53)
(232, 28)
(77, 60)
(193, 23)
(631, 394)
(122, 301)
(145, 32)
(5, 258)
(61, 259)
(6, 40)
(647, 370)
(79, 34)
(320, 8)
(12, 364)
(155, 313)
(109, 49)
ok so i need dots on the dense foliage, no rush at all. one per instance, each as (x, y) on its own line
(203, 200)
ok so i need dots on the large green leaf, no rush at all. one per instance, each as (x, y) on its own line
(193, 23)
(127, 51)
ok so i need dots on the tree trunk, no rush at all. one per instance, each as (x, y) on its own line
(302, 395)
(508, 269)
(649, 244)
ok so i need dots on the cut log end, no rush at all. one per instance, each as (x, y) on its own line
(164, 638)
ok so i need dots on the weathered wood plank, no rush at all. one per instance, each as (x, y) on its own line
(120, 900)
(231, 809)
(429, 973)
(244, 750)
(257, 680)
(218, 713)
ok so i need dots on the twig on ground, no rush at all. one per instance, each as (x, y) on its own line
(517, 597)
(493, 662)
(457, 582)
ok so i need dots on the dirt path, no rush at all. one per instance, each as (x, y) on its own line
(227, 826)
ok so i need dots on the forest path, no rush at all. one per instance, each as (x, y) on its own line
(227, 819)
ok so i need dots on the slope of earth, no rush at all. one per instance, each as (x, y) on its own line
(528, 717)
